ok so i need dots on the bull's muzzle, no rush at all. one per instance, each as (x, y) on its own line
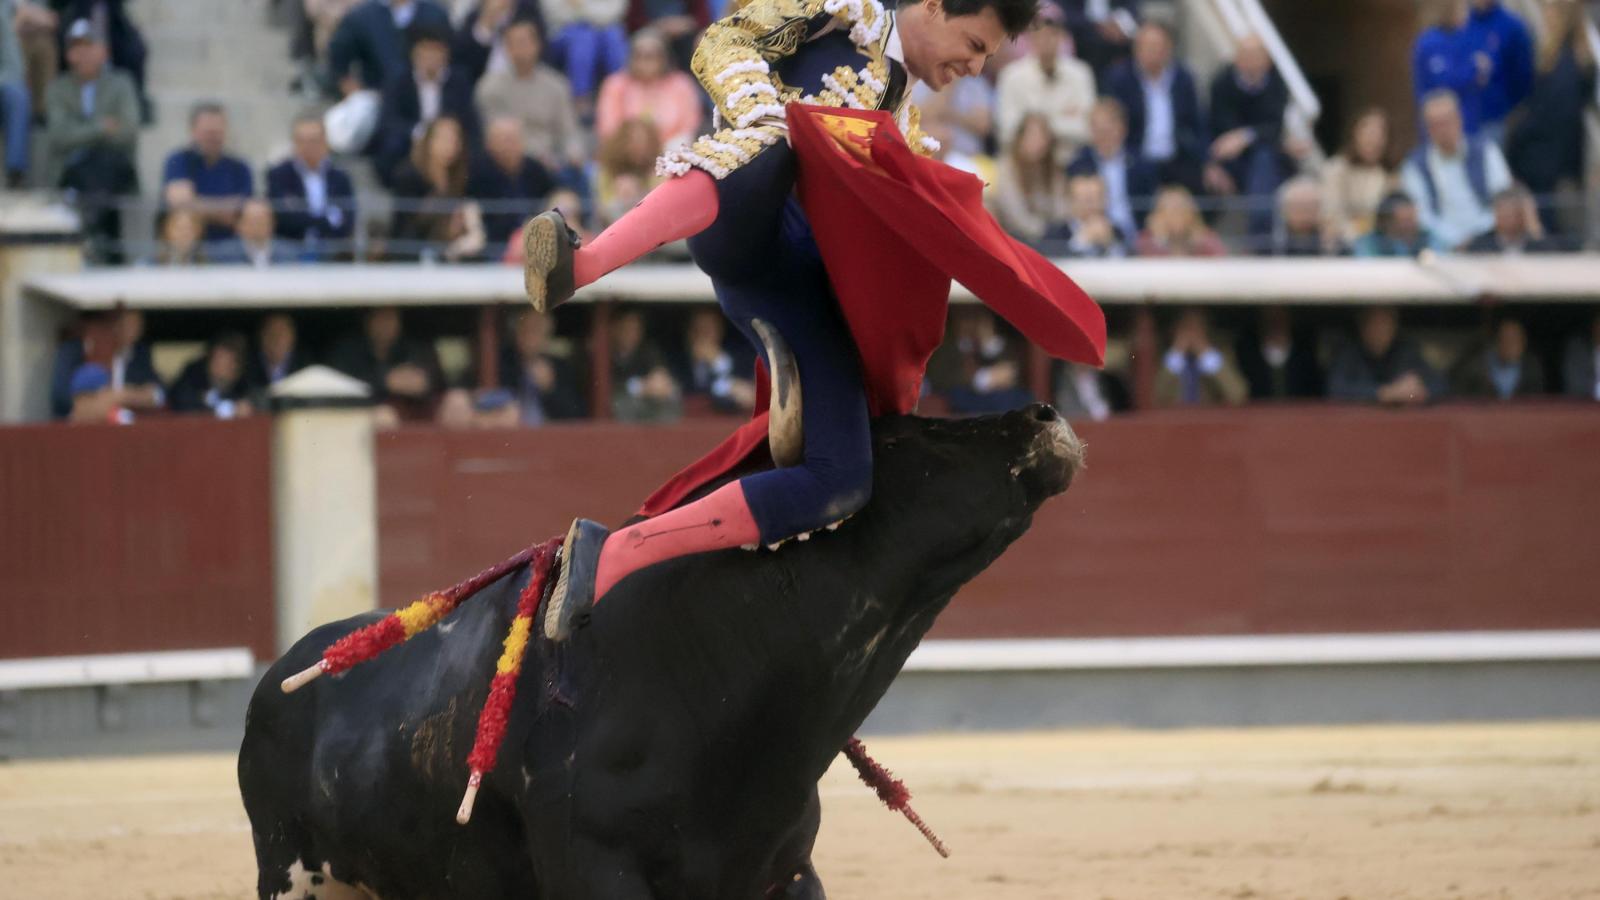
(1056, 454)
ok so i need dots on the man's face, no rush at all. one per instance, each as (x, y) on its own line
(1378, 329)
(130, 328)
(1510, 341)
(627, 333)
(1251, 59)
(1107, 130)
(223, 366)
(940, 49)
(209, 133)
(1088, 197)
(1443, 121)
(1302, 211)
(706, 328)
(647, 59)
(383, 326)
(429, 58)
(504, 143)
(522, 46)
(1046, 41)
(277, 337)
(1152, 49)
(86, 58)
(255, 221)
(1404, 223)
(310, 143)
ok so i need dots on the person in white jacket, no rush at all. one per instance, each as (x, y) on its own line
(1049, 81)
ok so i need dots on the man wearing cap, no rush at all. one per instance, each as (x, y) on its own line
(1048, 81)
(92, 130)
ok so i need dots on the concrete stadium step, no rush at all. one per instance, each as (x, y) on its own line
(250, 16)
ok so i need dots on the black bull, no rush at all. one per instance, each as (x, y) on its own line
(672, 748)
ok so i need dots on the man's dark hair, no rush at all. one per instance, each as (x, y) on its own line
(1015, 15)
(419, 32)
(205, 108)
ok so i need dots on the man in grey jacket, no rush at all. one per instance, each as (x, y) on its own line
(92, 127)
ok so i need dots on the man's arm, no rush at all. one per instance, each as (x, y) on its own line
(732, 61)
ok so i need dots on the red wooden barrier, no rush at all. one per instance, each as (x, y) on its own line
(156, 536)
(1241, 521)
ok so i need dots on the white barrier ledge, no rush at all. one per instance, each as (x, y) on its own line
(126, 668)
(1242, 280)
(1253, 650)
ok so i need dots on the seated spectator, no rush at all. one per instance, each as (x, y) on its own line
(93, 399)
(1250, 154)
(538, 97)
(978, 369)
(1163, 107)
(1500, 38)
(1356, 180)
(181, 243)
(1503, 370)
(679, 22)
(510, 185)
(1194, 372)
(1580, 363)
(369, 47)
(402, 372)
(277, 356)
(1090, 232)
(253, 243)
(1516, 227)
(1130, 181)
(627, 169)
(1445, 58)
(706, 369)
(1176, 229)
(115, 342)
(588, 43)
(1048, 81)
(642, 389)
(479, 46)
(123, 41)
(427, 91)
(92, 135)
(1084, 392)
(1300, 229)
(649, 89)
(1030, 192)
(1397, 231)
(1452, 176)
(314, 200)
(461, 409)
(1102, 30)
(433, 218)
(544, 386)
(16, 104)
(1278, 362)
(960, 118)
(1382, 366)
(1545, 149)
(215, 382)
(221, 182)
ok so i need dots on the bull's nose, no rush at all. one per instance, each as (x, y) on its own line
(1043, 412)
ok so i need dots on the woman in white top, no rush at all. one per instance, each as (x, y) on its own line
(1355, 181)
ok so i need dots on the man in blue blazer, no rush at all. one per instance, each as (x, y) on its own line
(428, 88)
(314, 199)
(1165, 123)
(369, 46)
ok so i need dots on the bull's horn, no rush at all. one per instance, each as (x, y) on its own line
(785, 434)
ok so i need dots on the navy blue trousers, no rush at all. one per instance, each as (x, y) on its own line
(764, 264)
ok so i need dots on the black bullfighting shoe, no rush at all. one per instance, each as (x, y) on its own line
(574, 593)
(785, 431)
(547, 245)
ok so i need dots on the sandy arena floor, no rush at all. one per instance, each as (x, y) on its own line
(1435, 813)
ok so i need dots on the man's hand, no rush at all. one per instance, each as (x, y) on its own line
(544, 374)
(1407, 390)
(658, 385)
(348, 85)
(407, 380)
(110, 126)
(1230, 144)
(1218, 181)
(1001, 376)
(1097, 231)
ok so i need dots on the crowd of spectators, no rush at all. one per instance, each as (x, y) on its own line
(1095, 137)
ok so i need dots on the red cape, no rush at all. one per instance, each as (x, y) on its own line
(894, 229)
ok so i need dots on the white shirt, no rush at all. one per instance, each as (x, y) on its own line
(1461, 216)
(1597, 373)
(403, 11)
(1119, 207)
(1064, 98)
(429, 95)
(1160, 123)
(316, 183)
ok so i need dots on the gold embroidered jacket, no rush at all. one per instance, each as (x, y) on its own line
(734, 62)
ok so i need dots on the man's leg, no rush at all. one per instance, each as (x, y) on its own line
(18, 123)
(582, 52)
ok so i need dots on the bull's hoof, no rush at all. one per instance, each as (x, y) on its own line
(785, 431)
(574, 592)
(547, 274)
